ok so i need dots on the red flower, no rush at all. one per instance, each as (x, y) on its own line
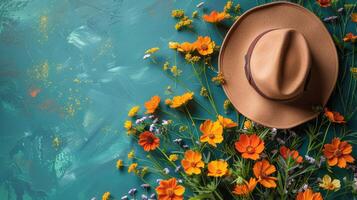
(148, 141)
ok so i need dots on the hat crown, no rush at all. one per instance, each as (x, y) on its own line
(280, 64)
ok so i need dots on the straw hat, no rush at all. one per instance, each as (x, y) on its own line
(279, 62)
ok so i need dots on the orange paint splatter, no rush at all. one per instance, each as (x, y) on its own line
(34, 92)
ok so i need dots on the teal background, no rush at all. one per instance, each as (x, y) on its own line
(84, 60)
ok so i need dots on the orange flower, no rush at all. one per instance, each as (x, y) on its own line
(338, 152)
(215, 17)
(204, 45)
(170, 190)
(226, 122)
(192, 162)
(217, 168)
(212, 132)
(262, 170)
(148, 141)
(286, 153)
(354, 17)
(350, 37)
(324, 3)
(179, 101)
(250, 146)
(245, 188)
(308, 194)
(335, 117)
(106, 196)
(152, 104)
(186, 47)
(248, 124)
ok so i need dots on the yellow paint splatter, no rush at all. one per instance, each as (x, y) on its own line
(56, 142)
(43, 26)
(41, 73)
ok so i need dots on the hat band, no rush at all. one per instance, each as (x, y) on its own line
(250, 78)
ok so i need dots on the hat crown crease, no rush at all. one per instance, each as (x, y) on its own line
(280, 64)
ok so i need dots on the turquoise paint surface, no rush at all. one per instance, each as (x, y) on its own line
(69, 72)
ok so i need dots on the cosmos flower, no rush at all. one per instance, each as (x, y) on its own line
(288, 153)
(192, 162)
(334, 117)
(308, 194)
(133, 111)
(215, 17)
(226, 122)
(204, 45)
(217, 168)
(148, 141)
(338, 153)
(212, 132)
(328, 184)
(152, 104)
(169, 189)
(262, 170)
(245, 188)
(250, 146)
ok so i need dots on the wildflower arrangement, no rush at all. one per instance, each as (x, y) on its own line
(197, 150)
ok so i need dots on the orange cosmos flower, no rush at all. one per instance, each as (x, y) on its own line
(152, 104)
(335, 117)
(245, 188)
(324, 3)
(215, 17)
(192, 163)
(226, 122)
(212, 132)
(170, 190)
(338, 153)
(204, 45)
(308, 194)
(179, 101)
(148, 141)
(186, 47)
(350, 37)
(250, 146)
(262, 170)
(286, 153)
(217, 168)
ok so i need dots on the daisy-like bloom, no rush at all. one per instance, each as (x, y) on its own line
(324, 3)
(334, 117)
(217, 168)
(226, 122)
(106, 196)
(186, 47)
(173, 157)
(228, 6)
(247, 124)
(215, 17)
(152, 104)
(250, 146)
(128, 125)
(132, 167)
(245, 188)
(148, 141)
(227, 104)
(350, 37)
(212, 132)
(175, 71)
(179, 101)
(328, 184)
(262, 170)
(133, 111)
(170, 190)
(178, 13)
(119, 164)
(192, 163)
(131, 154)
(308, 194)
(219, 79)
(287, 153)
(204, 45)
(354, 17)
(338, 153)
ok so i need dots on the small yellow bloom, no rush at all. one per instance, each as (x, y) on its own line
(106, 196)
(144, 171)
(175, 71)
(152, 50)
(131, 154)
(165, 66)
(133, 111)
(328, 184)
(128, 124)
(247, 124)
(132, 168)
(184, 22)
(204, 92)
(178, 13)
(226, 104)
(173, 157)
(219, 79)
(228, 6)
(120, 164)
(195, 14)
(174, 45)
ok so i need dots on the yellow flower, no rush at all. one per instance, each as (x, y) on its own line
(175, 71)
(212, 132)
(120, 164)
(184, 22)
(217, 168)
(131, 154)
(173, 157)
(228, 6)
(226, 122)
(328, 184)
(204, 92)
(152, 50)
(128, 125)
(219, 79)
(133, 111)
(178, 13)
(106, 196)
(204, 45)
(195, 14)
(226, 104)
(174, 45)
(247, 124)
(132, 168)
(179, 101)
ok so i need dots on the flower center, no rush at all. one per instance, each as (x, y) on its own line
(193, 164)
(211, 136)
(150, 140)
(170, 193)
(219, 171)
(204, 47)
(338, 153)
(250, 149)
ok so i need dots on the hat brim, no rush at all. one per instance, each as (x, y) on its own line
(324, 69)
